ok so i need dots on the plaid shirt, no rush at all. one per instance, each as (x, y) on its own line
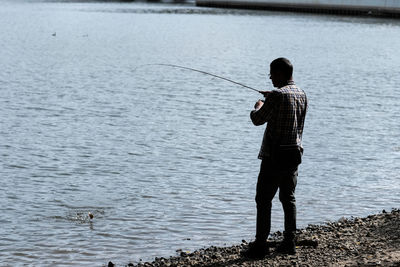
(284, 110)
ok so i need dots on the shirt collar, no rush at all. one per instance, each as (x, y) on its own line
(291, 82)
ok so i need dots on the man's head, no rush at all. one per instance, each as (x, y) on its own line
(281, 71)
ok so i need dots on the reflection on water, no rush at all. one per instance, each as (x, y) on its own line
(166, 159)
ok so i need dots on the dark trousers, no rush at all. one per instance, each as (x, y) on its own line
(271, 178)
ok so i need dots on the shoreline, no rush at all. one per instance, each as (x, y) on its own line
(372, 8)
(369, 241)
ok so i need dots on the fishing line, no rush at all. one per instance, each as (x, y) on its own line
(200, 71)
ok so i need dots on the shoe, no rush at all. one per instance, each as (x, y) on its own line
(255, 250)
(287, 246)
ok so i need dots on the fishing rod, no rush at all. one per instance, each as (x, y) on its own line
(203, 72)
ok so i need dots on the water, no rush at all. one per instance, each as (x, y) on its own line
(166, 159)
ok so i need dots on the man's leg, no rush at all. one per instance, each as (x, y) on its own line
(266, 190)
(267, 186)
(287, 188)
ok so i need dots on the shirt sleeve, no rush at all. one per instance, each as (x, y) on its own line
(265, 113)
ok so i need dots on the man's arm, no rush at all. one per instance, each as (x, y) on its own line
(263, 110)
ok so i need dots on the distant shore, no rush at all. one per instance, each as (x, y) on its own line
(369, 241)
(374, 8)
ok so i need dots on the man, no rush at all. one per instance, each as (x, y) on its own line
(284, 110)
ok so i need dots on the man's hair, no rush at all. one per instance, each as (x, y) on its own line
(282, 65)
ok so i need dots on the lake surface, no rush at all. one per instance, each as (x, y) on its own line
(166, 159)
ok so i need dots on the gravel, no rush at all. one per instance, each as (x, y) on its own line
(369, 241)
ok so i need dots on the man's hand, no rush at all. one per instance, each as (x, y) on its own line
(265, 93)
(258, 104)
